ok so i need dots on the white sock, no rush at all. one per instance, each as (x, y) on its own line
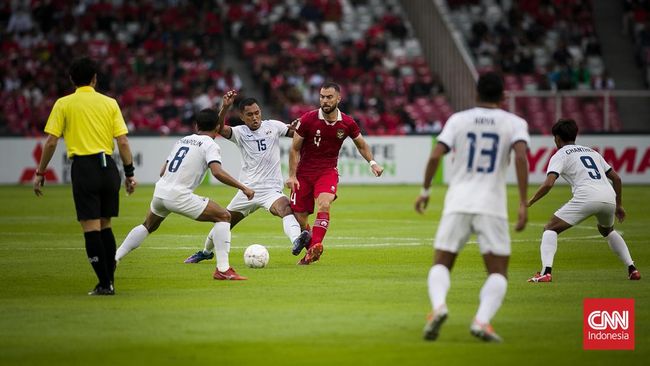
(491, 296)
(548, 248)
(220, 234)
(439, 283)
(291, 227)
(209, 245)
(618, 246)
(132, 241)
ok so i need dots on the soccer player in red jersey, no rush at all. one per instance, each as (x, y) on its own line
(313, 158)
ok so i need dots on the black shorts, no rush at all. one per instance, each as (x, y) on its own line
(95, 188)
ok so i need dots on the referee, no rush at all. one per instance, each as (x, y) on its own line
(89, 121)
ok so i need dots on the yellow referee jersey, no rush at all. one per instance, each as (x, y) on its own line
(87, 120)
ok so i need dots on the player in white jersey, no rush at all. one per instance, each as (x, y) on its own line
(259, 144)
(480, 140)
(182, 172)
(587, 173)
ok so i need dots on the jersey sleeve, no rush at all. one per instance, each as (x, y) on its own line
(446, 136)
(603, 162)
(119, 126)
(353, 129)
(280, 127)
(235, 135)
(171, 154)
(302, 127)
(556, 164)
(520, 132)
(213, 153)
(56, 122)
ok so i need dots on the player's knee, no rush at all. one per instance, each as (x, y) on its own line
(550, 227)
(604, 231)
(324, 205)
(224, 216)
(285, 211)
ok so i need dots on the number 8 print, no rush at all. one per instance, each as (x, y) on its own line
(178, 159)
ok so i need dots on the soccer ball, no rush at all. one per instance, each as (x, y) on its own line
(256, 256)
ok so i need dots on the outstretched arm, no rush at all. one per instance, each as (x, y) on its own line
(432, 165)
(521, 168)
(543, 189)
(366, 152)
(228, 100)
(225, 178)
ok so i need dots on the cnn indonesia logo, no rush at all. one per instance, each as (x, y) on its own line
(608, 324)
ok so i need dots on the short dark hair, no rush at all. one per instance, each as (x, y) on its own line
(82, 71)
(332, 85)
(566, 129)
(206, 119)
(246, 102)
(490, 88)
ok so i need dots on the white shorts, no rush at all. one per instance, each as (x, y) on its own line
(455, 228)
(574, 212)
(189, 205)
(263, 198)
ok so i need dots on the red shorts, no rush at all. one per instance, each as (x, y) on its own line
(311, 186)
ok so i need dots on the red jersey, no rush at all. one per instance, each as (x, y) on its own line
(323, 140)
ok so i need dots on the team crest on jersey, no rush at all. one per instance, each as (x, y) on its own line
(268, 132)
(340, 133)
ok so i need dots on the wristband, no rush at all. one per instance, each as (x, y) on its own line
(129, 170)
(425, 192)
(372, 162)
(40, 174)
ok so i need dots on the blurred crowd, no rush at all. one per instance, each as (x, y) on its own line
(162, 59)
(636, 24)
(552, 42)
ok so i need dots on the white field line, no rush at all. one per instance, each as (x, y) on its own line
(353, 244)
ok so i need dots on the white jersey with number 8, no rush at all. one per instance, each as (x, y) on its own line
(186, 166)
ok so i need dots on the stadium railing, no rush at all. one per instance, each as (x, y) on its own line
(595, 110)
(443, 48)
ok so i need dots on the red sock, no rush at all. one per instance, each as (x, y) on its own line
(319, 229)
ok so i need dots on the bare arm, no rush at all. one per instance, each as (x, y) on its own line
(432, 165)
(366, 152)
(48, 151)
(228, 100)
(127, 159)
(617, 183)
(294, 159)
(521, 169)
(543, 189)
(227, 179)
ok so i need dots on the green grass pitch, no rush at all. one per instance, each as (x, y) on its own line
(364, 303)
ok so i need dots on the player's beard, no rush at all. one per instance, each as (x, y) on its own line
(329, 109)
